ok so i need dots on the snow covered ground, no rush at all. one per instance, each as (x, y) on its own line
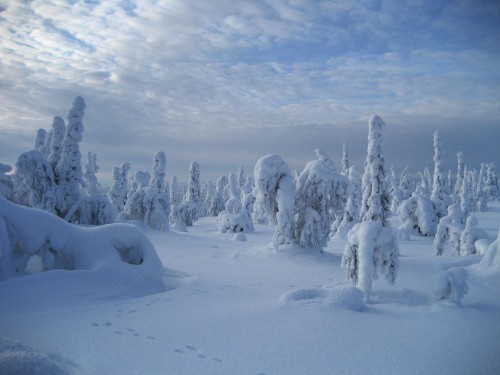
(238, 307)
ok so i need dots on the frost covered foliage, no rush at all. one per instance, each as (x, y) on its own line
(405, 185)
(233, 204)
(175, 196)
(176, 222)
(192, 208)
(353, 206)
(419, 216)
(69, 169)
(345, 161)
(274, 196)
(394, 188)
(481, 204)
(120, 248)
(491, 183)
(449, 228)
(452, 285)
(491, 258)
(236, 217)
(6, 182)
(35, 178)
(470, 235)
(321, 192)
(117, 194)
(460, 173)
(372, 248)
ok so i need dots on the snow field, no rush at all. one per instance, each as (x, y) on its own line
(234, 307)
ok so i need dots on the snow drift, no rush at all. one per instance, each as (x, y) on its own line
(121, 249)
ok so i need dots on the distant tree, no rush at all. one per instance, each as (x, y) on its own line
(41, 134)
(371, 246)
(134, 207)
(405, 184)
(6, 183)
(91, 169)
(470, 235)
(117, 194)
(191, 210)
(439, 196)
(175, 197)
(345, 161)
(45, 148)
(480, 191)
(233, 204)
(460, 173)
(396, 195)
(157, 199)
(56, 147)
(449, 228)
(491, 185)
(69, 168)
(353, 207)
(274, 194)
(217, 202)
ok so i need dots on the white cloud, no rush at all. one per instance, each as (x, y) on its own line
(170, 72)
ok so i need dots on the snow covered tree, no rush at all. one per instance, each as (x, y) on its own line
(353, 206)
(470, 235)
(419, 216)
(423, 187)
(274, 194)
(450, 228)
(134, 208)
(345, 161)
(209, 188)
(175, 197)
(35, 174)
(396, 195)
(460, 173)
(321, 192)
(233, 204)
(6, 183)
(491, 186)
(91, 169)
(371, 247)
(117, 194)
(192, 208)
(438, 196)
(480, 193)
(217, 202)
(157, 199)
(405, 184)
(69, 167)
(56, 147)
(41, 134)
(240, 173)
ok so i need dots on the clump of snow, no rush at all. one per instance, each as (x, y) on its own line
(25, 232)
(470, 235)
(20, 359)
(491, 258)
(343, 297)
(419, 216)
(239, 237)
(452, 285)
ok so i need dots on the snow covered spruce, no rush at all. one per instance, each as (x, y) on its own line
(371, 246)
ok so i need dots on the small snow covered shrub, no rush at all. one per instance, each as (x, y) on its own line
(229, 222)
(449, 228)
(419, 216)
(452, 285)
(470, 235)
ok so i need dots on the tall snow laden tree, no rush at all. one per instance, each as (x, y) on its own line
(56, 147)
(192, 208)
(439, 196)
(372, 248)
(69, 168)
(274, 196)
(345, 161)
(117, 194)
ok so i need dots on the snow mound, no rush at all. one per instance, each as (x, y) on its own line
(451, 285)
(343, 297)
(19, 359)
(239, 237)
(121, 249)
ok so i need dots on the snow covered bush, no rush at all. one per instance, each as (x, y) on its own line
(274, 195)
(470, 235)
(176, 222)
(230, 222)
(419, 216)
(120, 248)
(452, 285)
(56, 147)
(449, 228)
(90, 178)
(321, 192)
(372, 248)
(217, 202)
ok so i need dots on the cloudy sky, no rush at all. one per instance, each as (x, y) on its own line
(224, 82)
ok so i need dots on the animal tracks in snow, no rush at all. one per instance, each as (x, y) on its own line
(125, 332)
(193, 351)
